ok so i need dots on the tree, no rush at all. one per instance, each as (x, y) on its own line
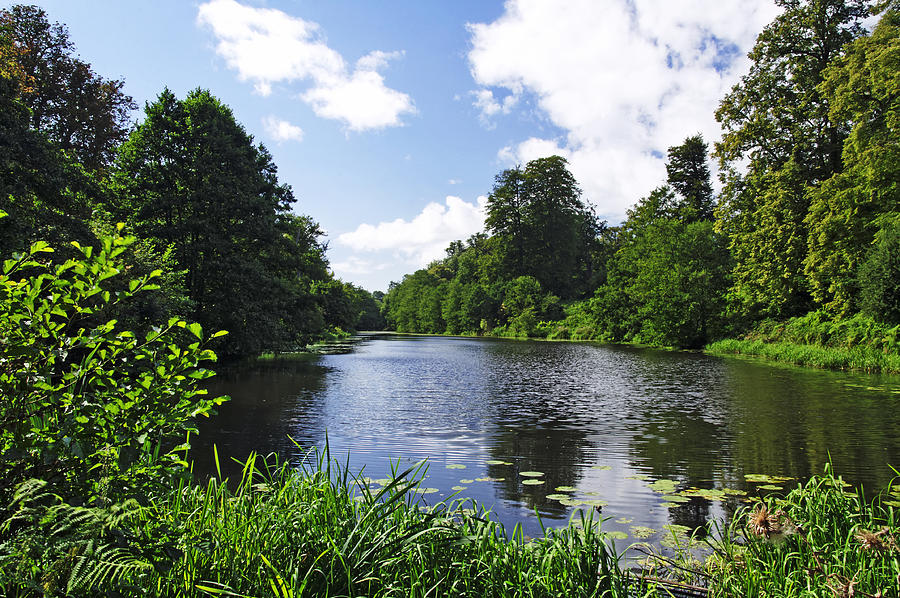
(777, 120)
(688, 175)
(848, 209)
(190, 176)
(545, 229)
(880, 276)
(76, 108)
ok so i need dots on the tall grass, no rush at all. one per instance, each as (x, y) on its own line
(819, 540)
(817, 340)
(324, 532)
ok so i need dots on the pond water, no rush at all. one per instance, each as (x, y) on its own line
(651, 438)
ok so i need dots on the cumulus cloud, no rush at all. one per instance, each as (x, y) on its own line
(425, 237)
(267, 46)
(355, 265)
(624, 80)
(282, 130)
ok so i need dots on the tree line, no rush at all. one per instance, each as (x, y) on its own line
(200, 195)
(807, 221)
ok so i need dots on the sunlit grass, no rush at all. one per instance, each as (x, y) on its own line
(833, 358)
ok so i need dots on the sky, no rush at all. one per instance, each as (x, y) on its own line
(390, 119)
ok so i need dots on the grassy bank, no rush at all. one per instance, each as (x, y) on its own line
(321, 531)
(857, 343)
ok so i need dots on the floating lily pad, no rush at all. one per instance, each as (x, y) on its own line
(594, 503)
(770, 487)
(641, 532)
(531, 474)
(637, 476)
(459, 488)
(761, 478)
(592, 493)
(615, 535)
(675, 498)
(484, 479)
(497, 462)
(624, 520)
(734, 492)
(707, 493)
(532, 482)
(669, 505)
(425, 490)
(678, 530)
(456, 466)
(467, 481)
(664, 486)
(382, 481)
(570, 502)
(559, 497)
(565, 488)
(601, 467)
(836, 483)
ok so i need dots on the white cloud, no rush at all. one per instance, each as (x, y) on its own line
(282, 130)
(488, 105)
(356, 265)
(267, 46)
(624, 80)
(454, 182)
(425, 237)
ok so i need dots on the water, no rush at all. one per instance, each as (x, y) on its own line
(608, 421)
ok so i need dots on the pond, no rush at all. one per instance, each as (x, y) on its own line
(652, 439)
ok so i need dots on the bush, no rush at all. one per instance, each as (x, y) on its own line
(88, 407)
(879, 277)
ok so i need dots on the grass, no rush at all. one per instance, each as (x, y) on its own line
(320, 531)
(817, 340)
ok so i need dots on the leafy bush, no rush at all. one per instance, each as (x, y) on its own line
(880, 277)
(84, 405)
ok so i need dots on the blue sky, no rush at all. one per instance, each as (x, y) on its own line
(390, 119)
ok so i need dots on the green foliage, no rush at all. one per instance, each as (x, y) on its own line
(777, 119)
(819, 540)
(85, 405)
(880, 277)
(688, 174)
(191, 178)
(848, 209)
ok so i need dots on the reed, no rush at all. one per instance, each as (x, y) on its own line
(861, 358)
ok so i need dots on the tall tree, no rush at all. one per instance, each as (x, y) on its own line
(776, 120)
(78, 109)
(849, 208)
(688, 175)
(190, 176)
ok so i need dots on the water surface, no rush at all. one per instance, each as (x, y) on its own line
(607, 421)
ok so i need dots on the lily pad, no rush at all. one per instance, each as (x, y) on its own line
(459, 488)
(615, 535)
(594, 503)
(382, 481)
(531, 474)
(532, 482)
(676, 498)
(467, 481)
(669, 505)
(565, 488)
(761, 478)
(637, 476)
(570, 502)
(456, 466)
(734, 492)
(707, 493)
(771, 487)
(601, 467)
(425, 490)
(497, 462)
(559, 497)
(664, 486)
(624, 520)
(641, 532)
(678, 530)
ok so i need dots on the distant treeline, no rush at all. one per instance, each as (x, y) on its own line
(202, 198)
(808, 219)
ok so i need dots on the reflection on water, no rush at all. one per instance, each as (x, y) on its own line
(603, 423)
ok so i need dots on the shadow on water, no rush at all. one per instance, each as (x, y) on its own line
(648, 437)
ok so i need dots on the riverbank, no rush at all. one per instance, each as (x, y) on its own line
(816, 340)
(322, 530)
